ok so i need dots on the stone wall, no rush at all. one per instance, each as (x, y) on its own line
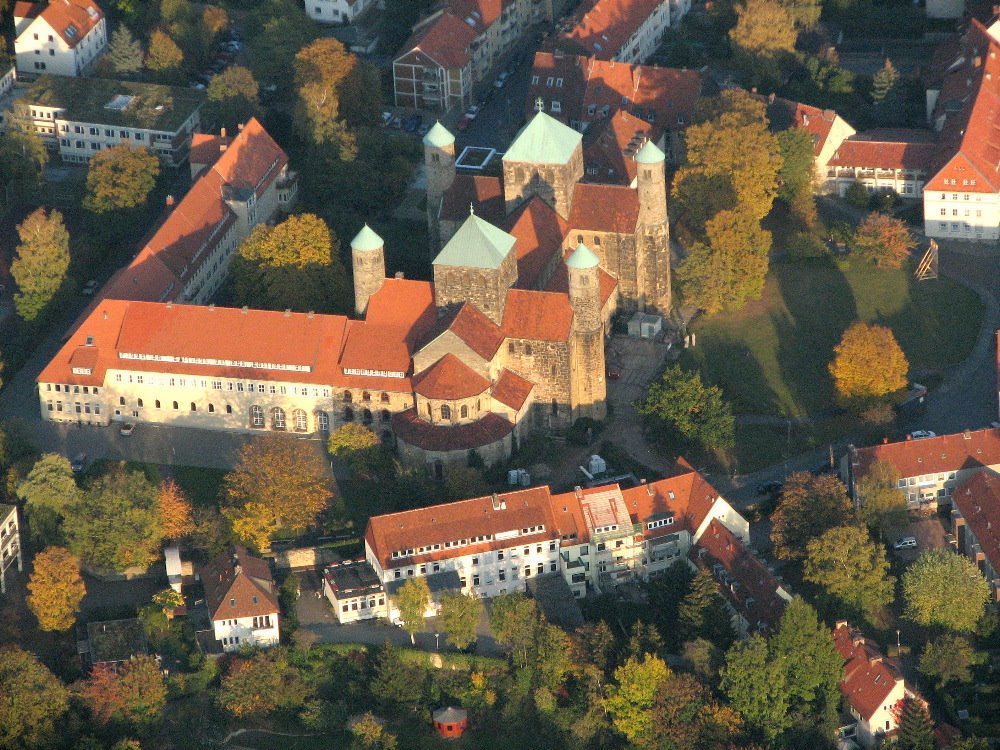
(307, 557)
(483, 287)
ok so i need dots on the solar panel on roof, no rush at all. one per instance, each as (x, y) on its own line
(119, 102)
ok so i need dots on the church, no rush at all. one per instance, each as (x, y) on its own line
(507, 339)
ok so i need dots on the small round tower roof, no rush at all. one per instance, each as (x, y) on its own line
(366, 239)
(650, 154)
(438, 136)
(583, 257)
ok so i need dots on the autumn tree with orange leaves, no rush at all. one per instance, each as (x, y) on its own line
(134, 695)
(883, 240)
(55, 588)
(176, 517)
(868, 365)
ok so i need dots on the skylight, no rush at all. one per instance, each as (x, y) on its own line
(119, 102)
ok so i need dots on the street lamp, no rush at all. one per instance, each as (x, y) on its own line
(437, 642)
(897, 644)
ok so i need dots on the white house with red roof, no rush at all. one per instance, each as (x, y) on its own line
(242, 600)
(930, 469)
(975, 522)
(337, 11)
(61, 37)
(627, 31)
(873, 686)
(897, 159)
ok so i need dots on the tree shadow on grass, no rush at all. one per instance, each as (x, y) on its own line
(732, 366)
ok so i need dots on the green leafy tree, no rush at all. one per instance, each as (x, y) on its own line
(41, 262)
(55, 589)
(852, 570)
(48, 491)
(514, 621)
(459, 618)
(763, 37)
(22, 152)
(120, 177)
(798, 175)
(948, 658)
(970, 743)
(681, 406)
(755, 686)
(631, 701)
(233, 96)
(360, 448)
(369, 733)
(808, 506)
(915, 729)
(687, 718)
(116, 524)
(164, 58)
(32, 702)
(805, 13)
(124, 52)
(883, 240)
(395, 684)
(882, 502)
(868, 365)
(412, 599)
(275, 31)
(884, 82)
(702, 613)
(857, 195)
(293, 265)
(945, 590)
(264, 683)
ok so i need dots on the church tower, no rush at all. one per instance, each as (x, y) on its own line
(588, 389)
(439, 165)
(368, 261)
(653, 232)
(545, 159)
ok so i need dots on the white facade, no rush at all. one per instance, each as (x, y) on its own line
(958, 214)
(647, 38)
(872, 729)
(7, 81)
(42, 49)
(336, 11)
(261, 630)
(10, 544)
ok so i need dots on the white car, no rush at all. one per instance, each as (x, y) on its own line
(472, 111)
(89, 288)
(918, 434)
(501, 80)
(906, 542)
(127, 429)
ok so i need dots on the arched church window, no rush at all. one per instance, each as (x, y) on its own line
(445, 412)
(464, 412)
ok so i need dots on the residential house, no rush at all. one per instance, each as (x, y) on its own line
(929, 468)
(10, 543)
(628, 31)
(881, 160)
(242, 600)
(754, 595)
(77, 117)
(828, 129)
(873, 686)
(337, 11)
(975, 508)
(8, 76)
(588, 93)
(61, 37)
(354, 591)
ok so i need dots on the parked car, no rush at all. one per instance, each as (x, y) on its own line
(397, 122)
(918, 434)
(196, 85)
(386, 118)
(89, 288)
(770, 488)
(423, 129)
(412, 123)
(501, 80)
(614, 373)
(463, 124)
(78, 462)
(906, 542)
(472, 111)
(127, 429)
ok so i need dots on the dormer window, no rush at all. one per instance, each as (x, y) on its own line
(232, 602)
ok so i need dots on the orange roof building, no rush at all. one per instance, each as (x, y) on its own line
(975, 518)
(242, 600)
(628, 31)
(61, 37)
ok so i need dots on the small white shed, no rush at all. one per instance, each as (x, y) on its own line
(645, 326)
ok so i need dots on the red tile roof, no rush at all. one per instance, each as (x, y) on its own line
(71, 19)
(478, 14)
(478, 332)
(403, 304)
(539, 232)
(449, 378)
(207, 147)
(444, 39)
(602, 27)
(869, 678)
(870, 151)
(238, 584)
(537, 316)
(755, 593)
(484, 194)
(962, 450)
(413, 430)
(688, 496)
(609, 147)
(784, 114)
(604, 208)
(978, 499)
(24, 9)
(511, 389)
(559, 281)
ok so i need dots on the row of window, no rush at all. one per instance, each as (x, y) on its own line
(924, 478)
(59, 387)
(954, 212)
(953, 181)
(227, 385)
(502, 574)
(364, 604)
(539, 528)
(954, 197)
(84, 408)
(959, 227)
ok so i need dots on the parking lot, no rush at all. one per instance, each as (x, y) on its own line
(930, 533)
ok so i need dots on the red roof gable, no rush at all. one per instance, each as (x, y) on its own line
(449, 378)
(71, 19)
(978, 499)
(238, 584)
(610, 148)
(539, 232)
(511, 389)
(869, 678)
(444, 39)
(945, 453)
(484, 194)
(604, 208)
(784, 114)
(866, 152)
(602, 27)
(478, 332)
(413, 430)
(537, 316)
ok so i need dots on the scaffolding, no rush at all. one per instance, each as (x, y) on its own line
(928, 266)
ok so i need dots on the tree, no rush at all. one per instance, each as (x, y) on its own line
(514, 620)
(882, 503)
(731, 268)
(164, 57)
(120, 177)
(798, 175)
(946, 590)
(40, 265)
(682, 407)
(176, 515)
(276, 483)
(805, 13)
(412, 599)
(948, 658)
(334, 91)
(459, 618)
(360, 448)
(687, 718)
(22, 152)
(884, 81)
(852, 570)
(915, 729)
(755, 686)
(395, 684)
(116, 524)
(215, 19)
(48, 490)
(369, 733)
(55, 589)
(857, 195)
(632, 699)
(32, 701)
(124, 52)
(763, 36)
(233, 96)
(262, 684)
(868, 365)
(808, 506)
(702, 613)
(293, 265)
(883, 240)
(803, 649)
(134, 695)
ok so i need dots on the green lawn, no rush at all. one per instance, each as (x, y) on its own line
(771, 356)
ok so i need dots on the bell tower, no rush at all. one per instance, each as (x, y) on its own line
(588, 389)
(368, 263)
(439, 165)
(652, 232)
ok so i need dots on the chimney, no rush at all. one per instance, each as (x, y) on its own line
(222, 132)
(996, 10)
(967, 435)
(240, 127)
(885, 441)
(399, 275)
(223, 147)
(170, 201)
(909, 437)
(977, 62)
(753, 90)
